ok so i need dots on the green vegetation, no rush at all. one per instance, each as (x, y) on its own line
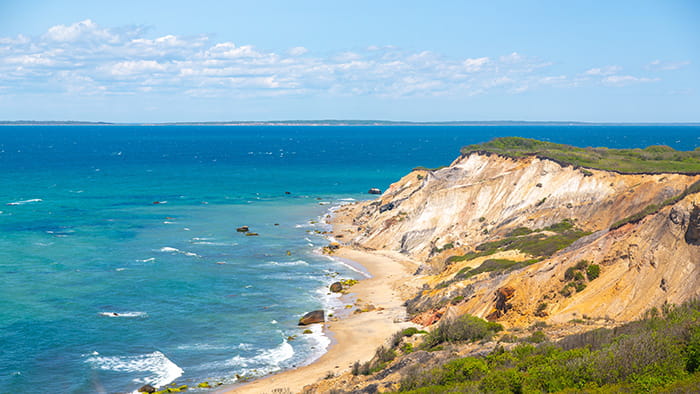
(443, 248)
(576, 279)
(653, 159)
(593, 271)
(466, 328)
(660, 353)
(533, 242)
(491, 265)
(421, 168)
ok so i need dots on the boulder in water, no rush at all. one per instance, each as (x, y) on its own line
(243, 229)
(147, 388)
(317, 316)
(336, 287)
(374, 190)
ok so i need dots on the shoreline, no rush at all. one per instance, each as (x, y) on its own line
(357, 336)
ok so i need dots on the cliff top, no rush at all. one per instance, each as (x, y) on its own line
(653, 159)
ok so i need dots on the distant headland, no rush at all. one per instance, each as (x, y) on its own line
(337, 122)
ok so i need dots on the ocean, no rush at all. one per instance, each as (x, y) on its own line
(120, 260)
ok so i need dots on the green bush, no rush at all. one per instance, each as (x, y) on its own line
(464, 328)
(658, 354)
(593, 271)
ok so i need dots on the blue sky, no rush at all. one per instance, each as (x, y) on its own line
(155, 61)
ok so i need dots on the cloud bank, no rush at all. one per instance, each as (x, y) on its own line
(87, 59)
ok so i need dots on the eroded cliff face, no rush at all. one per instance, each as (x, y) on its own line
(430, 216)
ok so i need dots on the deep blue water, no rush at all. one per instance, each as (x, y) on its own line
(82, 238)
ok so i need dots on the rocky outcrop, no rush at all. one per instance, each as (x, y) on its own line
(374, 190)
(692, 235)
(312, 317)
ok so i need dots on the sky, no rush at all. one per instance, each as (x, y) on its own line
(164, 61)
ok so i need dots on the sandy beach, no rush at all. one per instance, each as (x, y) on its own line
(356, 337)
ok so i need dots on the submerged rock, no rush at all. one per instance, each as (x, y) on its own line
(243, 229)
(317, 316)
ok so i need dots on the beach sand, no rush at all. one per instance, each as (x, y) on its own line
(356, 337)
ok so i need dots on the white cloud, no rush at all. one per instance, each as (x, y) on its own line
(603, 71)
(85, 58)
(298, 51)
(473, 65)
(658, 65)
(83, 30)
(135, 67)
(624, 80)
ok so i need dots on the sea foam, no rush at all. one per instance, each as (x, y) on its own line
(25, 201)
(160, 369)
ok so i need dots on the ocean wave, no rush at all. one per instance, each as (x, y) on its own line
(25, 201)
(288, 263)
(124, 314)
(160, 368)
(168, 249)
(271, 358)
(148, 260)
(346, 199)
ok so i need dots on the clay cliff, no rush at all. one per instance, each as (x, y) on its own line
(531, 238)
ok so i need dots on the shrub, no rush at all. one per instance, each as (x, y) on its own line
(593, 271)
(569, 273)
(692, 351)
(536, 337)
(581, 265)
(463, 328)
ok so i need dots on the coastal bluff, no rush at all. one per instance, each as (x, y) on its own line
(491, 221)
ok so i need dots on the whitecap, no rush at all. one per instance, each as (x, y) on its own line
(346, 199)
(288, 263)
(168, 249)
(25, 201)
(124, 314)
(161, 370)
(148, 260)
(120, 269)
(168, 222)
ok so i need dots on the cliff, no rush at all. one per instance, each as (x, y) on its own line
(519, 238)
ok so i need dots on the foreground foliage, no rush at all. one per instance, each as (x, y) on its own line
(660, 353)
(653, 159)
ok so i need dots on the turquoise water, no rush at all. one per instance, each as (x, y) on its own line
(81, 239)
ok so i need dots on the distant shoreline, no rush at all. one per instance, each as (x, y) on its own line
(345, 123)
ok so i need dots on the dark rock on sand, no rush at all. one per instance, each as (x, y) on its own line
(336, 287)
(317, 316)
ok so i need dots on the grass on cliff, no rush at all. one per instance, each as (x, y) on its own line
(660, 353)
(537, 243)
(653, 159)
